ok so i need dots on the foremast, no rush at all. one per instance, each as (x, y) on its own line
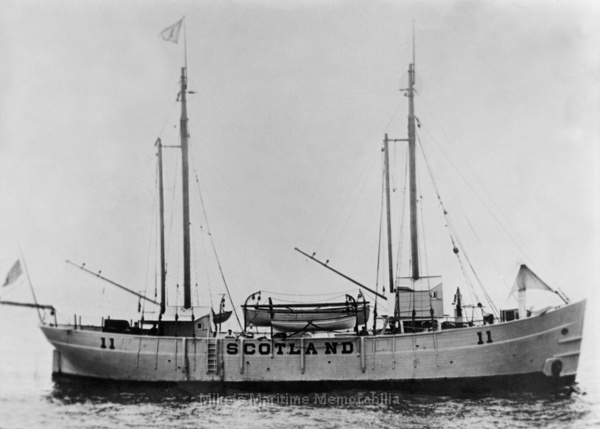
(413, 199)
(183, 128)
(161, 211)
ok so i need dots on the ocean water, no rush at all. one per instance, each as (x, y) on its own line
(29, 398)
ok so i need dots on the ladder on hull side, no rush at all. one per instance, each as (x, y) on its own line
(212, 356)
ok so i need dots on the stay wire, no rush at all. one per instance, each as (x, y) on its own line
(151, 245)
(490, 302)
(448, 220)
(485, 252)
(504, 228)
(209, 233)
(357, 187)
(451, 230)
(402, 214)
(381, 210)
(170, 235)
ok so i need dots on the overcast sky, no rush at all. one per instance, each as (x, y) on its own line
(292, 102)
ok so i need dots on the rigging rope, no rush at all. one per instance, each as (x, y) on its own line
(515, 242)
(169, 114)
(424, 244)
(423, 241)
(425, 257)
(356, 187)
(206, 271)
(394, 114)
(453, 232)
(168, 243)
(213, 246)
(402, 214)
(381, 210)
(486, 253)
(150, 247)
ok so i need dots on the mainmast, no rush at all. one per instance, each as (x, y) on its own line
(414, 242)
(187, 290)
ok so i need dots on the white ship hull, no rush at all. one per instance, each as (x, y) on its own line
(546, 346)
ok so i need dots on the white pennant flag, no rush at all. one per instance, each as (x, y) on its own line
(527, 280)
(171, 34)
(14, 274)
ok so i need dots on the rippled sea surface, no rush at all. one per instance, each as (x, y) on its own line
(29, 398)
